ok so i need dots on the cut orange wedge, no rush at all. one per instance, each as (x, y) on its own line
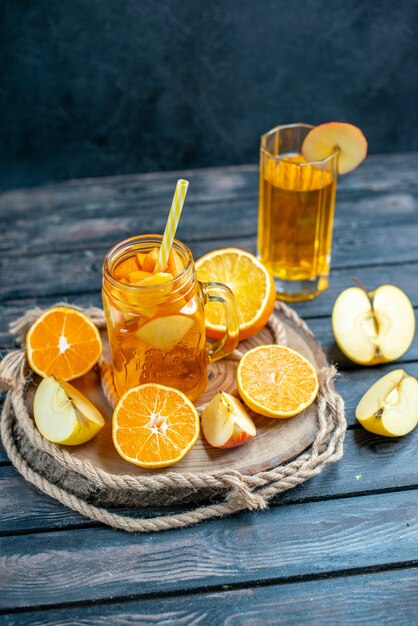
(63, 343)
(154, 426)
(276, 381)
(251, 284)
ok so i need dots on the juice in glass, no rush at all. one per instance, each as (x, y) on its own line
(296, 213)
(157, 332)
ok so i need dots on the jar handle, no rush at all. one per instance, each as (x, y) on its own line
(217, 292)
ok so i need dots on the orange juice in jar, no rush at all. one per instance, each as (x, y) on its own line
(155, 320)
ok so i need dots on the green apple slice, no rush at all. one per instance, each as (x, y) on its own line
(164, 333)
(390, 406)
(63, 415)
(226, 423)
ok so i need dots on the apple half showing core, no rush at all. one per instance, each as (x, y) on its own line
(390, 406)
(374, 327)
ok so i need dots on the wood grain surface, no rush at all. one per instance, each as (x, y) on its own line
(372, 599)
(340, 549)
(330, 536)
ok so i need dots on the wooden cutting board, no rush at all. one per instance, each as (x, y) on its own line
(277, 440)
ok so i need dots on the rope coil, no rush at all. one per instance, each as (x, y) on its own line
(241, 491)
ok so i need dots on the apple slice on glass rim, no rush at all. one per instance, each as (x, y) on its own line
(323, 140)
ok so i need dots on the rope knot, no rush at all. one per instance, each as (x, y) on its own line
(12, 369)
(241, 493)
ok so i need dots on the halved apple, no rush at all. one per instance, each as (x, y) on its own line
(374, 327)
(225, 422)
(390, 406)
(325, 139)
(63, 415)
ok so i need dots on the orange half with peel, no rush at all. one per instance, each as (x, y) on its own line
(276, 381)
(154, 426)
(251, 284)
(63, 343)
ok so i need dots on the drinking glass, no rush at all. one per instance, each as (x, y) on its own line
(157, 333)
(296, 213)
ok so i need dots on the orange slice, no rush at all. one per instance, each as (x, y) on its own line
(251, 284)
(322, 141)
(159, 278)
(276, 381)
(150, 260)
(138, 275)
(154, 426)
(64, 343)
(123, 269)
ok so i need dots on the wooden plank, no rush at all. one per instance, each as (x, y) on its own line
(288, 541)
(370, 464)
(378, 173)
(321, 326)
(76, 228)
(353, 383)
(71, 273)
(377, 598)
(404, 276)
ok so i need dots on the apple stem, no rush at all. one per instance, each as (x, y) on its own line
(363, 288)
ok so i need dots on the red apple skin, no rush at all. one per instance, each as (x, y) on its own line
(237, 438)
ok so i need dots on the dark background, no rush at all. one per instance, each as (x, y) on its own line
(101, 87)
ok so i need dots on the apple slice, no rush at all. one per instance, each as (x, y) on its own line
(175, 264)
(390, 406)
(150, 260)
(152, 280)
(325, 139)
(140, 256)
(375, 327)
(225, 422)
(63, 415)
(123, 269)
(138, 275)
(164, 332)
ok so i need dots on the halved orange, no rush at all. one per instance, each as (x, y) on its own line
(154, 426)
(251, 284)
(276, 381)
(64, 343)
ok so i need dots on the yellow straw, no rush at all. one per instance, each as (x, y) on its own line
(172, 223)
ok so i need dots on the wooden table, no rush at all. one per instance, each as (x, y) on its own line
(341, 548)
